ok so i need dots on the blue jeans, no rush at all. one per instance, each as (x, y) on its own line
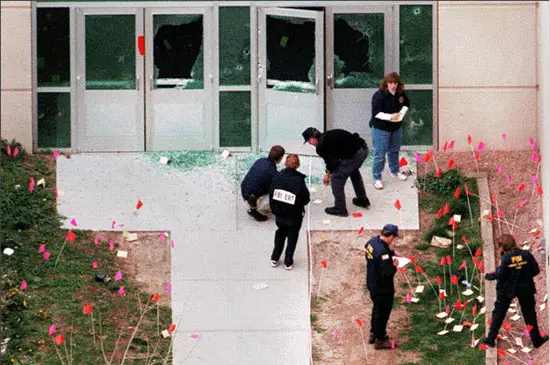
(385, 142)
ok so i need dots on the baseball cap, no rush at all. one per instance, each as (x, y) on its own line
(391, 228)
(308, 133)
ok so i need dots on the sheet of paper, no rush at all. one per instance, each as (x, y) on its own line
(441, 315)
(545, 298)
(123, 254)
(482, 310)
(511, 310)
(313, 189)
(415, 299)
(441, 333)
(41, 182)
(260, 286)
(163, 160)
(474, 326)
(132, 237)
(511, 350)
(457, 218)
(326, 221)
(468, 292)
(515, 317)
(317, 201)
(542, 306)
(480, 299)
(419, 289)
(519, 342)
(402, 261)
(8, 251)
(458, 328)
(526, 350)
(449, 320)
(165, 333)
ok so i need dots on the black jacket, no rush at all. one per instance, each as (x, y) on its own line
(515, 274)
(380, 267)
(258, 179)
(336, 145)
(387, 103)
(287, 185)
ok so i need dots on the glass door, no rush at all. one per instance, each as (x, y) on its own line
(109, 80)
(179, 79)
(359, 54)
(291, 72)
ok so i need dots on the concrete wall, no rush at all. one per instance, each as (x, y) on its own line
(16, 75)
(487, 72)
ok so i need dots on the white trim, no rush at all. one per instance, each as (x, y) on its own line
(63, 89)
(34, 76)
(235, 88)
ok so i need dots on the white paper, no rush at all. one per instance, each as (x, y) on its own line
(313, 189)
(545, 298)
(415, 300)
(515, 318)
(449, 320)
(511, 350)
(260, 286)
(122, 254)
(132, 237)
(165, 333)
(402, 261)
(163, 160)
(317, 201)
(458, 328)
(457, 218)
(474, 344)
(480, 299)
(8, 251)
(441, 333)
(526, 350)
(474, 326)
(482, 310)
(459, 247)
(441, 315)
(326, 221)
(511, 310)
(542, 306)
(41, 182)
(226, 154)
(419, 289)
(513, 305)
(519, 342)
(468, 292)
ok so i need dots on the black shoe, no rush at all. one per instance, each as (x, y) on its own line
(372, 339)
(543, 340)
(491, 344)
(257, 216)
(382, 345)
(365, 203)
(338, 212)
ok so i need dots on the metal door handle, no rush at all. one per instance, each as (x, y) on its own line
(330, 81)
(317, 87)
(137, 82)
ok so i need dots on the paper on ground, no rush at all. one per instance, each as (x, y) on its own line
(515, 318)
(458, 328)
(468, 292)
(526, 350)
(415, 300)
(313, 189)
(480, 299)
(519, 342)
(449, 320)
(165, 333)
(545, 298)
(457, 218)
(8, 251)
(163, 160)
(121, 253)
(441, 333)
(474, 326)
(441, 315)
(542, 306)
(259, 286)
(226, 154)
(511, 310)
(326, 221)
(402, 261)
(132, 237)
(419, 289)
(317, 201)
(41, 182)
(511, 350)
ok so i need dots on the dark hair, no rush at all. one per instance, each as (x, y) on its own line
(276, 153)
(392, 77)
(507, 243)
(387, 233)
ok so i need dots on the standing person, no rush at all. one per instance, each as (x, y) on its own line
(381, 267)
(515, 279)
(343, 153)
(258, 180)
(389, 105)
(288, 196)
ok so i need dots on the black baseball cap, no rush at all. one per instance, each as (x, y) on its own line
(391, 228)
(308, 133)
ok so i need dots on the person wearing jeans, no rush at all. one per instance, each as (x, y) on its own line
(389, 105)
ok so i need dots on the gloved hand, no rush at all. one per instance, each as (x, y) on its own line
(491, 276)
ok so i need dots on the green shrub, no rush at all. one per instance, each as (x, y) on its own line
(440, 186)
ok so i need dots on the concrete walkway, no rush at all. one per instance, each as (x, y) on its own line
(220, 254)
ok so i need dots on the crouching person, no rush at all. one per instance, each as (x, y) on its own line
(288, 197)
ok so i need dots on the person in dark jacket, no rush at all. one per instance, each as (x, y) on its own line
(389, 105)
(515, 279)
(288, 197)
(381, 267)
(257, 181)
(343, 153)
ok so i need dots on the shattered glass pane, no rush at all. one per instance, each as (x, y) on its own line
(418, 122)
(358, 50)
(235, 125)
(234, 46)
(178, 51)
(290, 54)
(415, 44)
(110, 61)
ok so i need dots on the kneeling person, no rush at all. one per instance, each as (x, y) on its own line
(288, 196)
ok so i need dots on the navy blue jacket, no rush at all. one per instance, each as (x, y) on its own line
(380, 267)
(258, 179)
(515, 274)
(387, 103)
(293, 182)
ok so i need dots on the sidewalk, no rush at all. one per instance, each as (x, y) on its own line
(220, 253)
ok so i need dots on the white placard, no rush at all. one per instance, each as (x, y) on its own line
(284, 196)
(458, 328)
(441, 333)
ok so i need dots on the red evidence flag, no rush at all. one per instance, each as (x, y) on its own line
(438, 172)
(428, 156)
(528, 328)
(474, 310)
(458, 305)
(483, 346)
(59, 339)
(446, 208)
(442, 262)
(449, 260)
(155, 297)
(419, 269)
(71, 236)
(454, 279)
(361, 230)
(441, 295)
(445, 146)
(439, 213)
(403, 162)
(324, 264)
(462, 265)
(521, 187)
(359, 322)
(467, 190)
(500, 213)
(476, 155)
(539, 189)
(479, 251)
(413, 260)
(397, 204)
(481, 266)
(457, 193)
(357, 215)
(475, 260)
(501, 352)
(465, 240)
(139, 204)
(438, 280)
(452, 144)
(87, 309)
(469, 139)
(172, 328)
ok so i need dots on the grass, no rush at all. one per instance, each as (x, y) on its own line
(55, 294)
(423, 325)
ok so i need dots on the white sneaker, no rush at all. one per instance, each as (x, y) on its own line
(399, 176)
(378, 184)
(288, 268)
(274, 263)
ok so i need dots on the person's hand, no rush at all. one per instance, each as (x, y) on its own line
(326, 179)
(395, 117)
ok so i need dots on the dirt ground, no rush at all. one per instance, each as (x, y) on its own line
(343, 298)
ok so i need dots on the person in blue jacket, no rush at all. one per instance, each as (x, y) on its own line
(514, 278)
(381, 267)
(287, 199)
(389, 105)
(257, 181)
